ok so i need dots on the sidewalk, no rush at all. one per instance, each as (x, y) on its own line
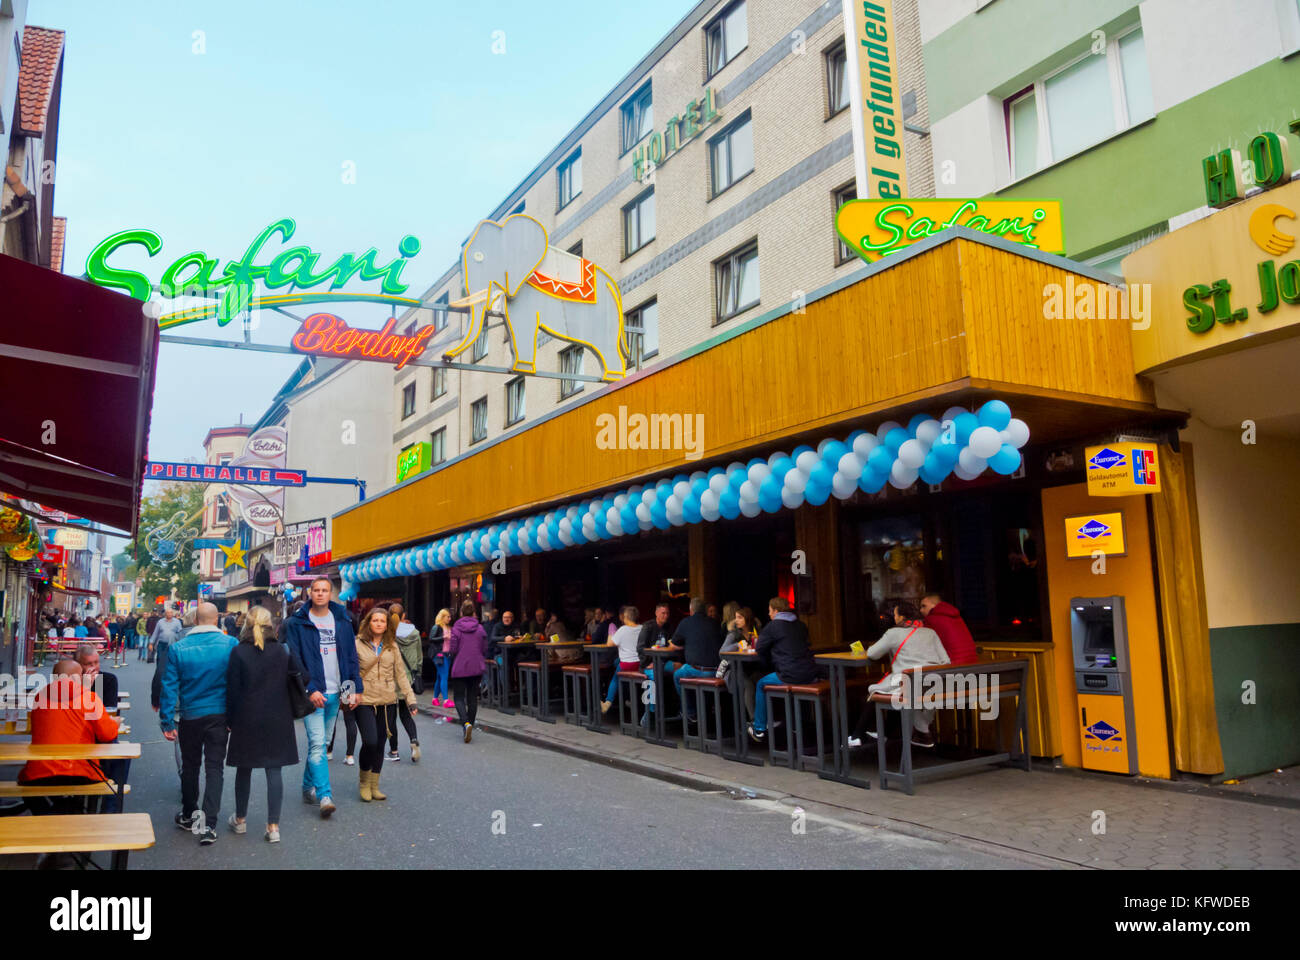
(1043, 817)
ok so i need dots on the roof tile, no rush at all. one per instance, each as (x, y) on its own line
(42, 53)
(56, 243)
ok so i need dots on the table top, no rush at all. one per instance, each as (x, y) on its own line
(76, 833)
(599, 646)
(738, 655)
(517, 643)
(666, 651)
(845, 657)
(22, 752)
(561, 643)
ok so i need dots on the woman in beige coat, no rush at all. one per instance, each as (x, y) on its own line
(383, 681)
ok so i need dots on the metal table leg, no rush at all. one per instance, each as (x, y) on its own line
(741, 753)
(594, 698)
(544, 686)
(504, 706)
(659, 737)
(842, 759)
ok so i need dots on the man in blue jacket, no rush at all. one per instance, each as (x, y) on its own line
(194, 684)
(321, 635)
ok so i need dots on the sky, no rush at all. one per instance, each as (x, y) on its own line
(207, 120)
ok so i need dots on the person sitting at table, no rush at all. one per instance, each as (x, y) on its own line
(701, 638)
(590, 620)
(504, 629)
(654, 633)
(538, 623)
(909, 643)
(741, 628)
(783, 647)
(945, 620)
(625, 639)
(88, 657)
(557, 632)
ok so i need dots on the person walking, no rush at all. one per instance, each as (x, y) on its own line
(438, 648)
(141, 635)
(194, 686)
(321, 637)
(383, 673)
(260, 717)
(408, 642)
(467, 647)
(165, 631)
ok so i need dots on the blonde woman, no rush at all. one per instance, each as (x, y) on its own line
(437, 644)
(383, 681)
(260, 717)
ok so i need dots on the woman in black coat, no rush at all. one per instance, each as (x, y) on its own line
(260, 717)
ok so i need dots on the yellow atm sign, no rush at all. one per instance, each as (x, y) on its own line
(1091, 533)
(1122, 469)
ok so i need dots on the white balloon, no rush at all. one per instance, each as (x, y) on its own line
(771, 461)
(901, 475)
(953, 412)
(649, 495)
(674, 503)
(984, 442)
(792, 498)
(796, 481)
(1016, 433)
(962, 473)
(735, 465)
(912, 453)
(709, 513)
(758, 473)
(611, 516)
(709, 501)
(718, 483)
(699, 475)
(806, 461)
(588, 525)
(566, 526)
(864, 444)
(620, 501)
(821, 447)
(928, 431)
(851, 466)
(750, 508)
(573, 512)
(972, 463)
(749, 492)
(642, 513)
(843, 487)
(681, 490)
(884, 428)
(566, 538)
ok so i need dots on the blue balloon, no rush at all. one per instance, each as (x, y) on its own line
(916, 421)
(872, 481)
(966, 424)
(729, 504)
(629, 518)
(691, 511)
(821, 476)
(832, 452)
(945, 453)
(800, 450)
(881, 460)
(770, 503)
(782, 466)
(1006, 461)
(995, 414)
(816, 493)
(852, 438)
(659, 516)
(896, 438)
(698, 487)
(736, 477)
(930, 472)
(751, 463)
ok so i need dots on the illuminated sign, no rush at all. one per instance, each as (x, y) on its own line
(874, 228)
(227, 473)
(874, 89)
(265, 449)
(414, 459)
(1094, 533)
(1269, 159)
(327, 335)
(292, 267)
(51, 555)
(71, 539)
(680, 130)
(1122, 469)
(287, 548)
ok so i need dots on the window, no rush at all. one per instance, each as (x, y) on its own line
(439, 382)
(1079, 105)
(641, 333)
(731, 153)
(737, 281)
(570, 362)
(638, 117)
(639, 222)
(223, 512)
(576, 249)
(438, 446)
(518, 209)
(843, 252)
(480, 348)
(408, 400)
(837, 79)
(478, 420)
(440, 316)
(514, 400)
(570, 177)
(726, 36)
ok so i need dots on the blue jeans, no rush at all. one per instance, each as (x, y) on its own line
(319, 723)
(613, 681)
(440, 684)
(760, 700)
(686, 671)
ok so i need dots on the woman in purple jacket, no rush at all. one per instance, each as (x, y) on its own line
(467, 647)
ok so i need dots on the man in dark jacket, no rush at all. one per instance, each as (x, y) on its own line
(945, 620)
(782, 646)
(503, 629)
(321, 637)
(654, 632)
(701, 638)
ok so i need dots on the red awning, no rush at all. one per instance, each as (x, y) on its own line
(74, 591)
(77, 365)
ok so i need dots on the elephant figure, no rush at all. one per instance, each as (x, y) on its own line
(569, 298)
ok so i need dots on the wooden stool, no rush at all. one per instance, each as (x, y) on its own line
(493, 683)
(780, 693)
(811, 694)
(530, 694)
(577, 677)
(700, 740)
(629, 696)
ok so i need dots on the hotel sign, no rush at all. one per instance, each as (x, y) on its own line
(874, 93)
(680, 130)
(1122, 469)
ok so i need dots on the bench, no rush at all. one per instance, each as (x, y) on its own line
(78, 833)
(1010, 677)
(106, 788)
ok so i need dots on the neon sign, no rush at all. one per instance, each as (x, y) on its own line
(293, 267)
(214, 473)
(327, 335)
(874, 228)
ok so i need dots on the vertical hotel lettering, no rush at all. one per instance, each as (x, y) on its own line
(873, 80)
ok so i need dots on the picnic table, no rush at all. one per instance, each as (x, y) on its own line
(839, 664)
(660, 656)
(78, 833)
(17, 754)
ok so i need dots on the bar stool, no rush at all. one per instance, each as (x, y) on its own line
(780, 693)
(814, 695)
(493, 677)
(629, 697)
(530, 693)
(702, 687)
(578, 677)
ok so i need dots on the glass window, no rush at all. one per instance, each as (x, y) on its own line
(570, 362)
(737, 281)
(1137, 81)
(843, 252)
(439, 382)
(478, 420)
(408, 400)
(514, 401)
(440, 316)
(641, 334)
(726, 36)
(438, 446)
(480, 348)
(1024, 135)
(732, 154)
(570, 175)
(1079, 107)
(638, 117)
(576, 249)
(837, 80)
(639, 222)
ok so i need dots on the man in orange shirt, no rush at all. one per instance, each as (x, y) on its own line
(65, 712)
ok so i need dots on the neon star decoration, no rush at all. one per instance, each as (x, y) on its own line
(234, 555)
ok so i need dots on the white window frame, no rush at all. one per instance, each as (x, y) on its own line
(1119, 107)
(520, 402)
(841, 50)
(439, 376)
(476, 435)
(438, 446)
(634, 327)
(843, 252)
(480, 348)
(440, 316)
(570, 387)
(732, 259)
(566, 167)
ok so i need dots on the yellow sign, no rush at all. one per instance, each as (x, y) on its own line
(875, 99)
(1220, 281)
(1122, 469)
(1106, 739)
(1094, 532)
(874, 228)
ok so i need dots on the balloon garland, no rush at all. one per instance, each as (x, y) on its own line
(960, 442)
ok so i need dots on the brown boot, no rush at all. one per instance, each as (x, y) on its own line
(374, 788)
(366, 792)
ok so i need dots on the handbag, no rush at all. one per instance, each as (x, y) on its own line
(417, 680)
(299, 702)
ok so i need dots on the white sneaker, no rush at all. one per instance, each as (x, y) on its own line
(272, 836)
(329, 754)
(854, 743)
(349, 761)
(236, 825)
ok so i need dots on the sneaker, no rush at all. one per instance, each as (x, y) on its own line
(309, 796)
(237, 825)
(349, 760)
(184, 822)
(394, 756)
(326, 808)
(272, 836)
(200, 824)
(415, 752)
(435, 702)
(329, 754)
(449, 704)
(854, 743)
(756, 735)
(208, 837)
(469, 729)
(923, 739)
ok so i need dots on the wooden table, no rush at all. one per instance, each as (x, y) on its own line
(839, 665)
(20, 753)
(543, 684)
(595, 651)
(508, 647)
(660, 656)
(740, 753)
(78, 833)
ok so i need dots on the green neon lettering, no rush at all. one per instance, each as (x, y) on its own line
(1200, 314)
(895, 231)
(135, 284)
(171, 286)
(920, 228)
(300, 276)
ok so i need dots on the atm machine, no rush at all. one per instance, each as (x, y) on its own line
(1099, 635)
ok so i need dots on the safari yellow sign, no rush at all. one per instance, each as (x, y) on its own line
(874, 228)
(1091, 533)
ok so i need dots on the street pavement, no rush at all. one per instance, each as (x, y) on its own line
(497, 803)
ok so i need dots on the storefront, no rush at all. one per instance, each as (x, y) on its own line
(843, 513)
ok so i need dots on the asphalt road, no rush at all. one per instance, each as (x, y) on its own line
(496, 803)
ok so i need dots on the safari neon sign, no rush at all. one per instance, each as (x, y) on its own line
(292, 267)
(874, 228)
